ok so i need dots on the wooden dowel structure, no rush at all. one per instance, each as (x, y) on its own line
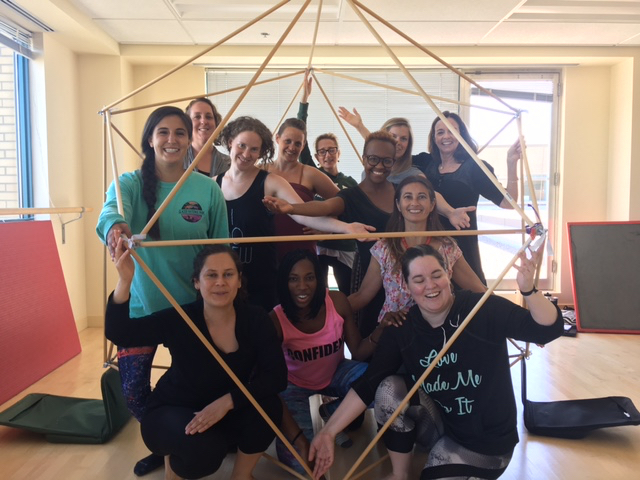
(330, 236)
(340, 122)
(435, 361)
(315, 34)
(286, 111)
(126, 140)
(195, 57)
(435, 108)
(114, 164)
(504, 127)
(219, 359)
(205, 95)
(286, 468)
(216, 132)
(525, 165)
(370, 467)
(409, 92)
(428, 52)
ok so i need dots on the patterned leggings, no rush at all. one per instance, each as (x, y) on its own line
(135, 374)
(297, 401)
(421, 423)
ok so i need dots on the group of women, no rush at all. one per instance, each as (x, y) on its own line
(196, 414)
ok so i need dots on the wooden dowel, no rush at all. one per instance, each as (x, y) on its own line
(340, 122)
(330, 236)
(480, 149)
(218, 358)
(284, 114)
(525, 165)
(126, 140)
(219, 128)
(370, 467)
(44, 211)
(195, 57)
(114, 164)
(437, 359)
(409, 92)
(431, 54)
(205, 95)
(435, 108)
(315, 34)
(287, 468)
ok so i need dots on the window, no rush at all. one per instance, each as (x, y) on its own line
(376, 104)
(15, 122)
(536, 95)
(533, 93)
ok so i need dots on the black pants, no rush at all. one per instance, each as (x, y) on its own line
(199, 455)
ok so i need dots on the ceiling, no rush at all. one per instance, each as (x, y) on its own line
(430, 22)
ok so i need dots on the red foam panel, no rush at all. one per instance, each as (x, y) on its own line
(37, 329)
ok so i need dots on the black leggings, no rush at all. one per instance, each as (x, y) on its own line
(199, 455)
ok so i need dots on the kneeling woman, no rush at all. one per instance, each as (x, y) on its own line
(196, 411)
(465, 412)
(313, 324)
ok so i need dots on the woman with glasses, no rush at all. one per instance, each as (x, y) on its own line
(337, 254)
(370, 202)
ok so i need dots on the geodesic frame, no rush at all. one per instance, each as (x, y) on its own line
(535, 231)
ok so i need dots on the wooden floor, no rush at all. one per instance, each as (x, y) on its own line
(591, 365)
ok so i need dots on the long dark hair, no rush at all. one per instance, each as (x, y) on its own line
(282, 284)
(396, 221)
(148, 169)
(206, 252)
(461, 155)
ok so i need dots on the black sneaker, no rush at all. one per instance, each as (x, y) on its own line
(148, 464)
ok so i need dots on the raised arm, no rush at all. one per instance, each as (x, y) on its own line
(355, 120)
(513, 155)
(542, 310)
(305, 156)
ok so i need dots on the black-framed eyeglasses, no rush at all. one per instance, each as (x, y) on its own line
(374, 160)
(331, 151)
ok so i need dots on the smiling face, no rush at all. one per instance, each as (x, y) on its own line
(290, 144)
(302, 283)
(445, 141)
(244, 149)
(204, 122)
(218, 281)
(430, 286)
(414, 203)
(328, 160)
(170, 140)
(402, 135)
(381, 149)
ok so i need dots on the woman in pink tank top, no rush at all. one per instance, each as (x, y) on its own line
(314, 324)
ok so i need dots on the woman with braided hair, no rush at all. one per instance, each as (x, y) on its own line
(197, 211)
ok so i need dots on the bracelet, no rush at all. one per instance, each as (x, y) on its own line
(372, 340)
(296, 437)
(530, 292)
